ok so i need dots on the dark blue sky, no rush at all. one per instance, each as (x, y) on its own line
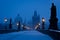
(10, 8)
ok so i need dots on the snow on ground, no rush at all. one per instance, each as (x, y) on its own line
(25, 35)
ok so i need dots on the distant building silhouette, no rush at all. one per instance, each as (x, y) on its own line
(53, 18)
(35, 19)
(18, 18)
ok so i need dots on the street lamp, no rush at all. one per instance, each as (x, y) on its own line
(5, 20)
(43, 20)
(43, 23)
(18, 24)
(10, 24)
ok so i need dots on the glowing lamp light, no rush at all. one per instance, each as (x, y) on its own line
(43, 20)
(5, 20)
(17, 24)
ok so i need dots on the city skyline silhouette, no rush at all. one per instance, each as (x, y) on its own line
(26, 9)
(29, 19)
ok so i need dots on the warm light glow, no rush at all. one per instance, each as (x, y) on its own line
(5, 20)
(17, 24)
(43, 20)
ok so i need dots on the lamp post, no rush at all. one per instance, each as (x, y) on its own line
(43, 23)
(10, 24)
(5, 22)
(18, 24)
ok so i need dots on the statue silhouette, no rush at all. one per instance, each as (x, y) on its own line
(53, 19)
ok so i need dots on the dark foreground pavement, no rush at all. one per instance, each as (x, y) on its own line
(52, 34)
